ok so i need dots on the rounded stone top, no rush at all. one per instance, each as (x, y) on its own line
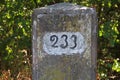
(64, 8)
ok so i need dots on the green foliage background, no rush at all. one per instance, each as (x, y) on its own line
(15, 36)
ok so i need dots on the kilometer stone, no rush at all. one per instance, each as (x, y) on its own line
(64, 42)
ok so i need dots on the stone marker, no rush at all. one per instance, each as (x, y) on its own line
(64, 42)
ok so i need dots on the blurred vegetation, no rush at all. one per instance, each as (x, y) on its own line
(15, 37)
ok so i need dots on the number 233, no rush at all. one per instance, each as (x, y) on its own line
(65, 44)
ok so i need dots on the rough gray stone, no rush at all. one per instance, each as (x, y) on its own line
(64, 18)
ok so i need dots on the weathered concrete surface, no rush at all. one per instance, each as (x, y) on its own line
(64, 17)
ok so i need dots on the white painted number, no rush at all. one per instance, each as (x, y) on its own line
(63, 43)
